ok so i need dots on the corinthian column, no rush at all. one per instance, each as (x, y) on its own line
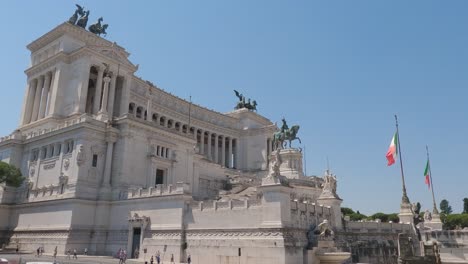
(97, 96)
(223, 151)
(45, 94)
(107, 80)
(108, 167)
(110, 109)
(30, 92)
(229, 153)
(37, 99)
(216, 160)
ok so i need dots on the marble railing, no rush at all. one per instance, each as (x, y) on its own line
(310, 208)
(159, 190)
(68, 123)
(225, 205)
(376, 227)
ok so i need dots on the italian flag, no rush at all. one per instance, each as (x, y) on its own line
(426, 174)
(392, 150)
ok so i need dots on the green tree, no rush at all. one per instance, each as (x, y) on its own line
(465, 205)
(10, 175)
(445, 208)
(455, 221)
(357, 216)
(347, 211)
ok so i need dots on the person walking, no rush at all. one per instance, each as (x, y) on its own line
(55, 252)
(37, 251)
(158, 258)
(151, 260)
(86, 251)
(189, 259)
(68, 253)
(172, 259)
(124, 257)
(74, 254)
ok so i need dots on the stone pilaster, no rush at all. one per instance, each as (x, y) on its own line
(37, 99)
(45, 94)
(97, 96)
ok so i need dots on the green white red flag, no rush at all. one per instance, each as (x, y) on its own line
(427, 175)
(392, 150)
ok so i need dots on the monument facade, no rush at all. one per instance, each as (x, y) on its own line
(114, 162)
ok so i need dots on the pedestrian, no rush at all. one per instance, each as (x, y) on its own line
(189, 259)
(172, 258)
(151, 260)
(120, 255)
(37, 252)
(124, 258)
(74, 254)
(136, 254)
(158, 258)
(55, 252)
(68, 253)
(86, 251)
(17, 248)
(42, 250)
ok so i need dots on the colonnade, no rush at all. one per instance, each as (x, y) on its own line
(37, 98)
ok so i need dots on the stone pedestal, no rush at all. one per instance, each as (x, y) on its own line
(329, 197)
(291, 166)
(332, 257)
(406, 214)
(435, 223)
(276, 202)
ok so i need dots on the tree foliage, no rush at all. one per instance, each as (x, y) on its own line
(445, 208)
(385, 217)
(347, 211)
(455, 221)
(465, 205)
(10, 175)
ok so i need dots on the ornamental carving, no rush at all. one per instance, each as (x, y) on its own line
(81, 156)
(32, 170)
(66, 164)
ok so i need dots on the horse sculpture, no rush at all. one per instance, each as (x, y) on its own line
(79, 11)
(289, 134)
(97, 28)
(83, 20)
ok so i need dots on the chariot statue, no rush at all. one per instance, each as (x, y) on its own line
(285, 134)
(97, 28)
(252, 106)
(79, 11)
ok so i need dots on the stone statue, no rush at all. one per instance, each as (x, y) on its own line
(330, 183)
(83, 20)
(80, 156)
(325, 230)
(97, 28)
(79, 11)
(427, 215)
(275, 165)
(284, 134)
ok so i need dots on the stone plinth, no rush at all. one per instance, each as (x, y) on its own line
(435, 223)
(406, 214)
(291, 166)
(276, 205)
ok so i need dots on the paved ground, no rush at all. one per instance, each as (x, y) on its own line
(15, 259)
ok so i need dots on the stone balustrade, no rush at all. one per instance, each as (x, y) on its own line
(159, 190)
(48, 192)
(225, 205)
(376, 227)
(310, 208)
(66, 124)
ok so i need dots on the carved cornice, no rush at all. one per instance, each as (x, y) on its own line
(47, 64)
(76, 32)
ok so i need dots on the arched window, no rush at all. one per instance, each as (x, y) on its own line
(162, 120)
(169, 123)
(131, 108)
(155, 117)
(139, 112)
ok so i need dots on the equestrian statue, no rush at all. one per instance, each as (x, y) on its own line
(285, 134)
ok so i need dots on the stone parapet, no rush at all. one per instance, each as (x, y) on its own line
(159, 190)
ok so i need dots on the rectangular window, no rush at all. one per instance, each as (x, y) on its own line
(95, 156)
(159, 176)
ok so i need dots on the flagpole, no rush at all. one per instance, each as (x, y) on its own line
(405, 198)
(435, 211)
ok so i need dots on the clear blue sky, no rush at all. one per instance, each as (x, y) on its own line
(340, 69)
